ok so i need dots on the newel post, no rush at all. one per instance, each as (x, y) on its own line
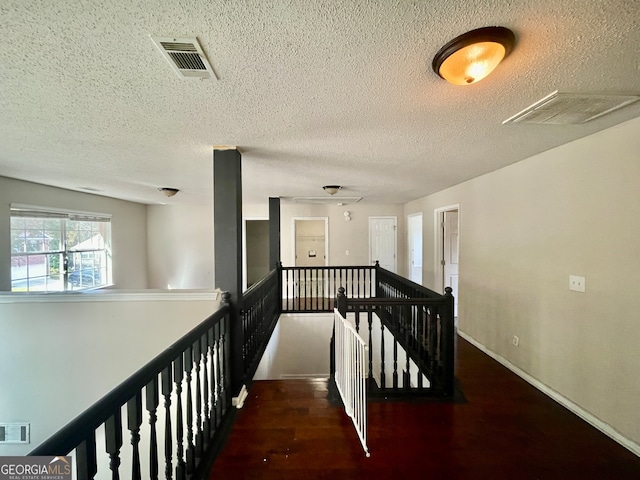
(448, 341)
(341, 302)
(376, 267)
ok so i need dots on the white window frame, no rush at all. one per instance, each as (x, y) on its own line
(67, 280)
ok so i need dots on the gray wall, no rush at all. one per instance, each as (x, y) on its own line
(128, 227)
(573, 210)
(180, 246)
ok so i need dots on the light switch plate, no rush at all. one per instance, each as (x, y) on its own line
(577, 283)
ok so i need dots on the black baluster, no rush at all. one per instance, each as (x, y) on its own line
(407, 375)
(220, 403)
(178, 375)
(188, 364)
(167, 388)
(216, 352)
(226, 366)
(370, 319)
(152, 401)
(197, 357)
(433, 337)
(382, 367)
(204, 347)
(113, 441)
(134, 420)
(86, 458)
(212, 399)
(395, 363)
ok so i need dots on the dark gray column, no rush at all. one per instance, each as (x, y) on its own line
(274, 232)
(227, 227)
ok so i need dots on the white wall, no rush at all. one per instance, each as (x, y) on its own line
(72, 349)
(180, 246)
(523, 230)
(352, 236)
(128, 227)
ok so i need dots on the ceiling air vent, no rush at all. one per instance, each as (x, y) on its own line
(186, 56)
(571, 108)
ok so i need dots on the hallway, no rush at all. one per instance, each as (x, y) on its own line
(503, 428)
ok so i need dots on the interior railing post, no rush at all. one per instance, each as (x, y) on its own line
(152, 399)
(167, 388)
(86, 458)
(448, 329)
(113, 442)
(134, 421)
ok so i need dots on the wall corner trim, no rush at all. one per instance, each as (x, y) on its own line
(558, 397)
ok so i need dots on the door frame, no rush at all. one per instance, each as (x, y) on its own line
(395, 240)
(326, 237)
(244, 247)
(438, 254)
(410, 245)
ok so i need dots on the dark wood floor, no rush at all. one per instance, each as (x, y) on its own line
(506, 429)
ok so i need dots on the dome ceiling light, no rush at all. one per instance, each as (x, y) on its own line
(331, 189)
(473, 55)
(168, 191)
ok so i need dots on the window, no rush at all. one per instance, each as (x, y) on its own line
(53, 251)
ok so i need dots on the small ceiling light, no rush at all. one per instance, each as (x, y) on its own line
(168, 191)
(473, 55)
(332, 189)
(347, 215)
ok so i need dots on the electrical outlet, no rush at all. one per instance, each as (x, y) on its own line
(516, 341)
(577, 283)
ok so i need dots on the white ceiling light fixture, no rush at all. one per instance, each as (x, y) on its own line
(168, 191)
(186, 57)
(332, 189)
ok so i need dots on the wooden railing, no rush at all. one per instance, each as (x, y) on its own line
(193, 423)
(260, 314)
(194, 376)
(410, 332)
(313, 289)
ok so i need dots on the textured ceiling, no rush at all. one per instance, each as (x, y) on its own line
(313, 93)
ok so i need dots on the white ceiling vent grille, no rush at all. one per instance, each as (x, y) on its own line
(186, 56)
(327, 200)
(571, 108)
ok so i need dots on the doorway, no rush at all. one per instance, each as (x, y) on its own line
(383, 242)
(255, 243)
(310, 236)
(447, 243)
(415, 247)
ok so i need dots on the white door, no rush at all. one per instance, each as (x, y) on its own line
(383, 241)
(450, 245)
(415, 248)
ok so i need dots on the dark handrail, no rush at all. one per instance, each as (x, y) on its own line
(260, 284)
(420, 290)
(75, 432)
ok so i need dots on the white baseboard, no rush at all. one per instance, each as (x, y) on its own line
(303, 376)
(558, 397)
